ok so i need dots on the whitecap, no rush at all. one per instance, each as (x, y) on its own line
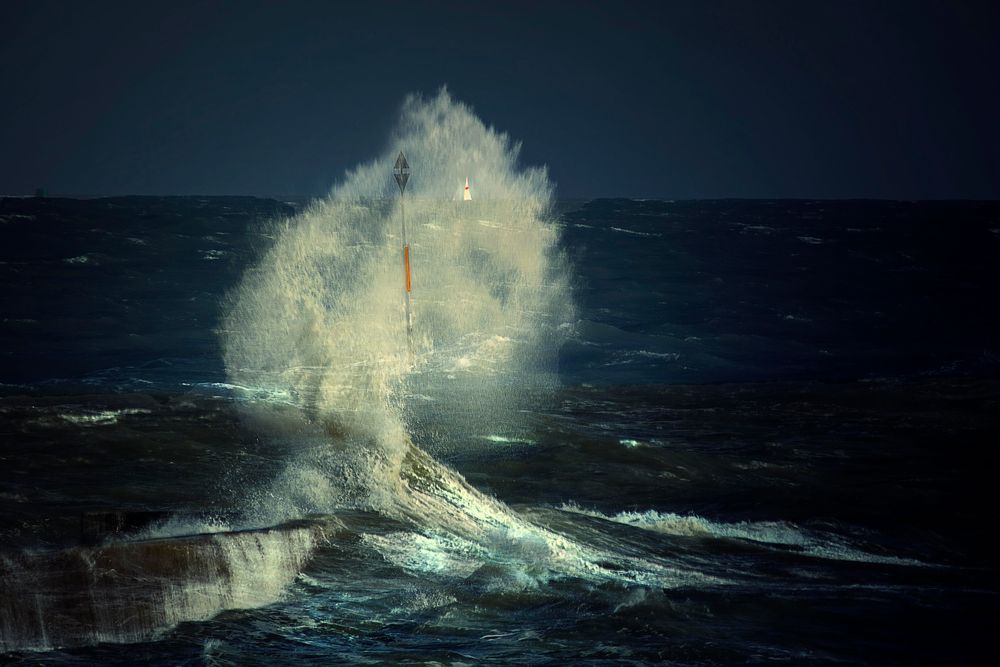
(101, 417)
(778, 533)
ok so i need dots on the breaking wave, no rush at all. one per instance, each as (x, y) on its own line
(320, 321)
(773, 533)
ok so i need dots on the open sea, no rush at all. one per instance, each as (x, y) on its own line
(767, 434)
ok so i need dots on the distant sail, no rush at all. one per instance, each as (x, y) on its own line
(468, 195)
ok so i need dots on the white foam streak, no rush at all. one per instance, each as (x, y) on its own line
(101, 417)
(812, 543)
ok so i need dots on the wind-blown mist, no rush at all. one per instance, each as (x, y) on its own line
(319, 324)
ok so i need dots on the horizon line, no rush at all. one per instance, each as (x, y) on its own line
(302, 197)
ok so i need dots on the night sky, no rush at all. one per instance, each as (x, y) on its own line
(669, 99)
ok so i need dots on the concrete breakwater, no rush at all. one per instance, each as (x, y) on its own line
(134, 590)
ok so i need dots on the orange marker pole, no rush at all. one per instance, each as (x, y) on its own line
(406, 265)
(406, 261)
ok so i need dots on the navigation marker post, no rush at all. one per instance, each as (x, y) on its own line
(401, 172)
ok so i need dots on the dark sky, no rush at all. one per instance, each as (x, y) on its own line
(798, 98)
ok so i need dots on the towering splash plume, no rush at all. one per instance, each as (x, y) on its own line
(320, 322)
(320, 325)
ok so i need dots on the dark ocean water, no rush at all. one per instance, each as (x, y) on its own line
(774, 441)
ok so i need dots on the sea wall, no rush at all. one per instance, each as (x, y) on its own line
(132, 591)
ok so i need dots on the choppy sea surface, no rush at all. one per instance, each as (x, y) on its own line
(773, 439)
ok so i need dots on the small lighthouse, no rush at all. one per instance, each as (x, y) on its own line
(468, 195)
